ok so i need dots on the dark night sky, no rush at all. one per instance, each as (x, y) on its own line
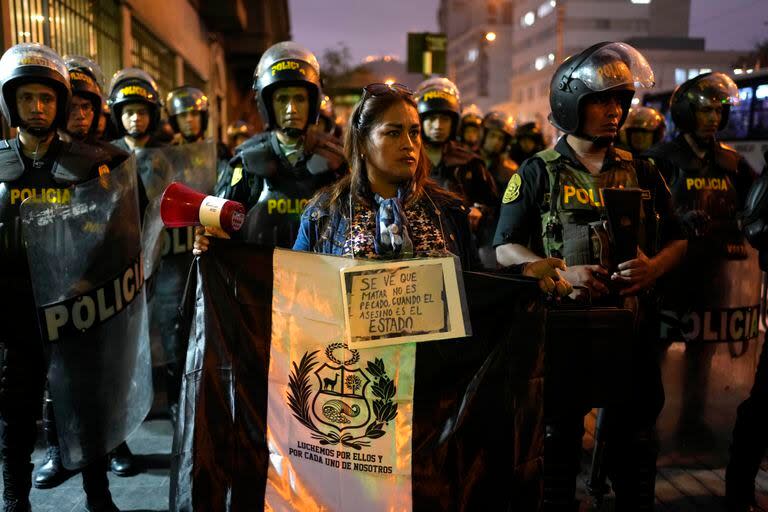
(379, 27)
(368, 27)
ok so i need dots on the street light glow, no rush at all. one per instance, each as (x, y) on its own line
(390, 81)
(490, 36)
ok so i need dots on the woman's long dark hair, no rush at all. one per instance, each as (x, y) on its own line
(364, 117)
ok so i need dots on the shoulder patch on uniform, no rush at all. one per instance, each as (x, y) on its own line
(513, 189)
(623, 154)
(103, 170)
(237, 175)
(548, 155)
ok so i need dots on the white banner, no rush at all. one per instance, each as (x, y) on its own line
(339, 420)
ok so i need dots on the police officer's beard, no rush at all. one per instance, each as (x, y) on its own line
(38, 131)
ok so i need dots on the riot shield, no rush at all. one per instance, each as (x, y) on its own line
(191, 164)
(85, 262)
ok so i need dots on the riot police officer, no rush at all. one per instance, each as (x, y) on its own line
(498, 131)
(644, 127)
(709, 183)
(188, 112)
(454, 166)
(527, 142)
(470, 130)
(275, 173)
(83, 118)
(35, 96)
(553, 207)
(237, 133)
(135, 104)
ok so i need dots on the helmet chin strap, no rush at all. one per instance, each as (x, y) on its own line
(38, 132)
(135, 134)
(600, 142)
(293, 133)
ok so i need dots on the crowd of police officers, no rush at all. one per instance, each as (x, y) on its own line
(524, 201)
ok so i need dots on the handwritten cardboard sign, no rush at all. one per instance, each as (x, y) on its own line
(403, 302)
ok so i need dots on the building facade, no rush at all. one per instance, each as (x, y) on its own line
(478, 55)
(545, 32)
(178, 42)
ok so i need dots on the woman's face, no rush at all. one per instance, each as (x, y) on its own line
(394, 144)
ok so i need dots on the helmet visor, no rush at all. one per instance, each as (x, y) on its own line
(714, 89)
(32, 54)
(614, 65)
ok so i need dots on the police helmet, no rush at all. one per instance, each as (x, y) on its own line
(33, 63)
(496, 120)
(286, 64)
(532, 131)
(704, 90)
(439, 96)
(85, 76)
(187, 99)
(133, 85)
(646, 119)
(238, 128)
(601, 67)
(471, 116)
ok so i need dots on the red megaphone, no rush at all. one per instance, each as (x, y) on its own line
(182, 206)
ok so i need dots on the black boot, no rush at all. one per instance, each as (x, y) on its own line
(96, 487)
(18, 481)
(121, 461)
(52, 473)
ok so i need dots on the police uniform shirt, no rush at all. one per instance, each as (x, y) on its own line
(523, 201)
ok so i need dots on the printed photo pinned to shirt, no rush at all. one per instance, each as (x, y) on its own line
(513, 189)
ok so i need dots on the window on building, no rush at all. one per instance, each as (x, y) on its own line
(738, 119)
(760, 117)
(680, 76)
(546, 8)
(71, 27)
(602, 23)
(507, 13)
(492, 11)
(528, 19)
(151, 55)
(192, 78)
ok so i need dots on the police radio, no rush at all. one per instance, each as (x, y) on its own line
(182, 206)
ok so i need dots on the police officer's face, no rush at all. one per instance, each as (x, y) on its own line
(190, 124)
(527, 144)
(708, 120)
(437, 127)
(494, 142)
(640, 140)
(291, 107)
(135, 118)
(393, 146)
(471, 135)
(36, 105)
(80, 116)
(602, 113)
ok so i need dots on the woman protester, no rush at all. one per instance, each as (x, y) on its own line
(388, 207)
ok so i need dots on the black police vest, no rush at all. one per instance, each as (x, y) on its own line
(283, 191)
(705, 185)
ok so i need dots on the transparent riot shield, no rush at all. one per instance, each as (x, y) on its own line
(191, 164)
(85, 260)
(709, 365)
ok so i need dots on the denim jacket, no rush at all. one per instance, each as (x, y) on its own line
(322, 232)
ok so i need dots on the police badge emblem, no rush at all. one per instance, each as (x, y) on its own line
(513, 189)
